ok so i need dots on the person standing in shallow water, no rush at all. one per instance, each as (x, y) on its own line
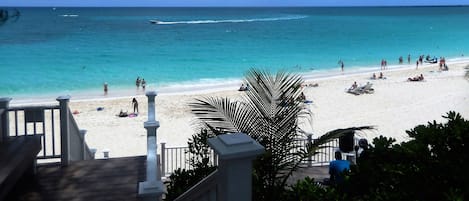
(105, 88)
(144, 84)
(137, 82)
(341, 65)
(135, 105)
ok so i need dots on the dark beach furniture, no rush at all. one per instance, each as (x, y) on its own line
(17, 158)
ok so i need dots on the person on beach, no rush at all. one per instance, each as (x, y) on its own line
(341, 65)
(416, 78)
(381, 76)
(122, 114)
(105, 88)
(244, 88)
(417, 65)
(144, 84)
(401, 60)
(135, 104)
(137, 82)
(408, 59)
(373, 77)
(302, 97)
(354, 85)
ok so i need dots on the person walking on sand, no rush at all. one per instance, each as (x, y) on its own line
(135, 104)
(105, 88)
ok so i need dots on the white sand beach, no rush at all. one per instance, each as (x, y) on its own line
(395, 106)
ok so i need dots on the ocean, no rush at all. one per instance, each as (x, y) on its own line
(49, 52)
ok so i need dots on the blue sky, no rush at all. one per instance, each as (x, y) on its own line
(112, 3)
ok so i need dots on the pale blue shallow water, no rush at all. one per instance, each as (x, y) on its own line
(75, 50)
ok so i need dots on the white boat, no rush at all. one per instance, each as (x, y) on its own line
(155, 21)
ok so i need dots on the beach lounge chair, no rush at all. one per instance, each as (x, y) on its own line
(367, 88)
(355, 91)
(362, 89)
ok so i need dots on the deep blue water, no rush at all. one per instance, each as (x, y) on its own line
(75, 50)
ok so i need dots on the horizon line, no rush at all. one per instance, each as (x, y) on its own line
(214, 6)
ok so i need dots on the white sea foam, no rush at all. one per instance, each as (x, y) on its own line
(295, 17)
(69, 15)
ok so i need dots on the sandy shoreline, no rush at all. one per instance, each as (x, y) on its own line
(395, 106)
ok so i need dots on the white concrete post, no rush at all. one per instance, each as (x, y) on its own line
(4, 117)
(152, 188)
(235, 152)
(64, 130)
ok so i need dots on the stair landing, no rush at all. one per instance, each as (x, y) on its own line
(91, 180)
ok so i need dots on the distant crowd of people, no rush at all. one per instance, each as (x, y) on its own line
(420, 61)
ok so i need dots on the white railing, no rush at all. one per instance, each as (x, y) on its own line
(232, 181)
(204, 190)
(79, 150)
(173, 158)
(45, 120)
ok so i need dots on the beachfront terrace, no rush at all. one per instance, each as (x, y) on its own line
(73, 179)
(91, 180)
(61, 166)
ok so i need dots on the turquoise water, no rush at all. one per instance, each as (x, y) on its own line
(75, 50)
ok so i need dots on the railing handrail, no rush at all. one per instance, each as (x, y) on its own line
(73, 124)
(45, 107)
(47, 117)
(201, 188)
(48, 147)
(171, 159)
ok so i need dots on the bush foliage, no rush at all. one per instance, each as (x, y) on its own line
(433, 165)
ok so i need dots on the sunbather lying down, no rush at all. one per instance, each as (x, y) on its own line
(381, 76)
(416, 78)
(357, 90)
(122, 114)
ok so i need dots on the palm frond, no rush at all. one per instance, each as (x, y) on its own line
(269, 112)
(315, 146)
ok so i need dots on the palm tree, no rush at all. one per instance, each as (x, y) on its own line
(269, 112)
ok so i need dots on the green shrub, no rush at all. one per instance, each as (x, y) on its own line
(432, 165)
(182, 180)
